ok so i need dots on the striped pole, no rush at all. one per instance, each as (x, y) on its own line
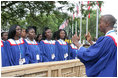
(80, 23)
(97, 18)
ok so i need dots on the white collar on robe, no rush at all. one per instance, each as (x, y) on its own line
(113, 35)
(73, 46)
(110, 31)
(31, 42)
(49, 42)
(13, 42)
(62, 42)
(2, 43)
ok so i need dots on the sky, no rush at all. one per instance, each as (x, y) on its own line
(110, 7)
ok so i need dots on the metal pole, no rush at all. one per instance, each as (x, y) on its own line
(72, 28)
(80, 23)
(86, 24)
(72, 25)
(76, 26)
(97, 17)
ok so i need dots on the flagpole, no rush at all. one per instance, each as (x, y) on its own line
(72, 26)
(77, 16)
(76, 27)
(80, 22)
(86, 24)
(97, 18)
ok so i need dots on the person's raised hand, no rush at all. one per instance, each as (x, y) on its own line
(75, 39)
(88, 37)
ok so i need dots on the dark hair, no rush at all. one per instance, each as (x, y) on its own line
(12, 32)
(29, 28)
(37, 37)
(44, 32)
(55, 35)
(3, 33)
(58, 33)
(110, 19)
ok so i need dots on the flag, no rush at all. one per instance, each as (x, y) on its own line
(64, 24)
(88, 2)
(77, 10)
(88, 5)
(98, 3)
(88, 10)
(89, 15)
(100, 8)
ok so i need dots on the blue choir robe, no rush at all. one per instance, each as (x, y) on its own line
(73, 51)
(100, 59)
(16, 51)
(4, 57)
(35, 54)
(62, 49)
(48, 49)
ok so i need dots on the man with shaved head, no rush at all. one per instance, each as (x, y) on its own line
(100, 59)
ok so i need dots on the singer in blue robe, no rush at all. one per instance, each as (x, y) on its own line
(48, 49)
(35, 54)
(32, 46)
(15, 50)
(100, 59)
(62, 49)
(47, 46)
(4, 57)
(15, 47)
(62, 46)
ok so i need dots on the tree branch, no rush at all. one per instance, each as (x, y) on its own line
(10, 4)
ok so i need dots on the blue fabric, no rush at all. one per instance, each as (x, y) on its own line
(33, 51)
(13, 53)
(73, 52)
(4, 56)
(62, 49)
(47, 51)
(100, 59)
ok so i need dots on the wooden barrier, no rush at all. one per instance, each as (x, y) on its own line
(69, 68)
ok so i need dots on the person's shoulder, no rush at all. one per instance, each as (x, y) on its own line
(111, 40)
(57, 41)
(105, 39)
(2, 43)
(42, 42)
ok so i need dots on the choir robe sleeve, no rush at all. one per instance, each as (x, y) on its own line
(28, 54)
(60, 55)
(5, 61)
(100, 58)
(56, 53)
(9, 53)
(69, 56)
(44, 58)
(72, 52)
(41, 53)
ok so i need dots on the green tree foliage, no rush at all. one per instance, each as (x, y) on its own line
(45, 14)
